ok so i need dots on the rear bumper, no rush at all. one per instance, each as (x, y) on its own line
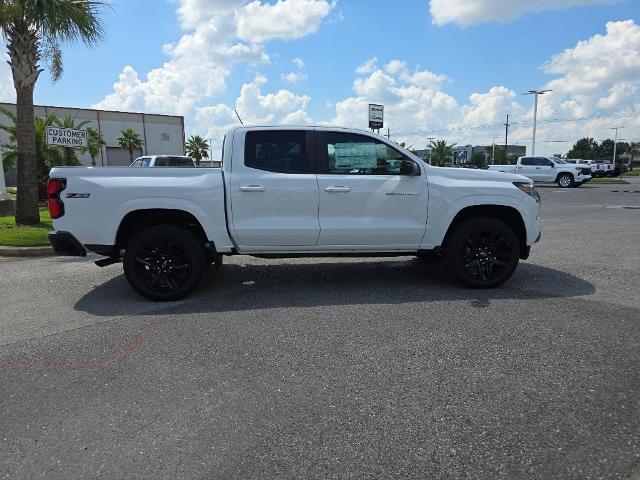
(64, 243)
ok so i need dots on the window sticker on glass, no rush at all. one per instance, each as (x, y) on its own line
(356, 155)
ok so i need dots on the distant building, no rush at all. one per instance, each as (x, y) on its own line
(162, 134)
(517, 150)
(462, 153)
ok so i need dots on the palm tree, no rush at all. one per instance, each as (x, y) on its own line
(130, 140)
(70, 152)
(634, 149)
(197, 148)
(47, 156)
(441, 152)
(33, 30)
(95, 142)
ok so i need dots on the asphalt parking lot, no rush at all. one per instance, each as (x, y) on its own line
(335, 368)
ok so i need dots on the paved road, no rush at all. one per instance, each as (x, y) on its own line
(367, 368)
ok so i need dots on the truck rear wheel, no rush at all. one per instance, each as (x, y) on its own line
(483, 252)
(164, 262)
(565, 180)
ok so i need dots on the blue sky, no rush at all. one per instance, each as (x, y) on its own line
(486, 53)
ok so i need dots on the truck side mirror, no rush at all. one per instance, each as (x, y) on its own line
(407, 167)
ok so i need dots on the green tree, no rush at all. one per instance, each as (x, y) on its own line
(441, 152)
(585, 148)
(197, 148)
(95, 142)
(47, 156)
(130, 140)
(605, 150)
(33, 30)
(499, 157)
(70, 153)
(479, 159)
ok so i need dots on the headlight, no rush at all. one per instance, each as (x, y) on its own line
(529, 189)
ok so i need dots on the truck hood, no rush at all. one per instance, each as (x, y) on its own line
(473, 174)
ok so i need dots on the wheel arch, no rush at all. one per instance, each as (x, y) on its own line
(508, 215)
(136, 220)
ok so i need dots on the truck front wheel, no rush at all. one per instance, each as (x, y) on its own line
(482, 252)
(565, 180)
(164, 262)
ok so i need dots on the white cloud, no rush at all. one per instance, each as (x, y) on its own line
(294, 77)
(195, 71)
(471, 12)
(254, 107)
(285, 19)
(394, 66)
(598, 79)
(368, 66)
(298, 63)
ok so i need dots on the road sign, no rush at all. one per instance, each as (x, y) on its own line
(66, 137)
(376, 115)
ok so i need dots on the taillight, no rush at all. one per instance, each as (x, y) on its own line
(54, 187)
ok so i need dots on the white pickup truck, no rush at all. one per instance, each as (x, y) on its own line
(548, 169)
(290, 192)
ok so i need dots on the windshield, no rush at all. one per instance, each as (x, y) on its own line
(557, 160)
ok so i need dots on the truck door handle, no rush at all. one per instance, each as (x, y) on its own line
(538, 168)
(252, 188)
(337, 189)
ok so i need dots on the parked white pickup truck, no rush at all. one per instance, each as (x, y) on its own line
(606, 168)
(592, 164)
(548, 169)
(289, 192)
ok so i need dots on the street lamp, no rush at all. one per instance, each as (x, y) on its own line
(535, 114)
(615, 147)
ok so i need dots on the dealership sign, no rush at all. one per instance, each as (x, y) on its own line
(376, 115)
(66, 137)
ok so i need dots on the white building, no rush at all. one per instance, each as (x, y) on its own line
(161, 134)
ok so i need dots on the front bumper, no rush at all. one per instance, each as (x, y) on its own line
(64, 243)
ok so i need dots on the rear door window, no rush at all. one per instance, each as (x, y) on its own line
(528, 161)
(280, 151)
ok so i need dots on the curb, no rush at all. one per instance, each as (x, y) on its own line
(41, 251)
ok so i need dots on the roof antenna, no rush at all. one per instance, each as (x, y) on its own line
(238, 115)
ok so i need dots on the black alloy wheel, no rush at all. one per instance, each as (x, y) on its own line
(164, 262)
(483, 252)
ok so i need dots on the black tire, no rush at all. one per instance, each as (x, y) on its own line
(164, 262)
(482, 252)
(565, 180)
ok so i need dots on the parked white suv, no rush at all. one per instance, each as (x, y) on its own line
(163, 161)
(290, 192)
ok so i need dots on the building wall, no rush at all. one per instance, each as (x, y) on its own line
(162, 134)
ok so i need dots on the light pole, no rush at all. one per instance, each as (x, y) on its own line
(615, 149)
(535, 93)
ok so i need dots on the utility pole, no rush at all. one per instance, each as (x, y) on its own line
(493, 149)
(615, 149)
(535, 94)
(388, 134)
(431, 139)
(506, 136)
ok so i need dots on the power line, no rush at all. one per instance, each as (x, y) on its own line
(521, 122)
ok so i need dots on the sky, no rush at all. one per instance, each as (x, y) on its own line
(449, 69)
